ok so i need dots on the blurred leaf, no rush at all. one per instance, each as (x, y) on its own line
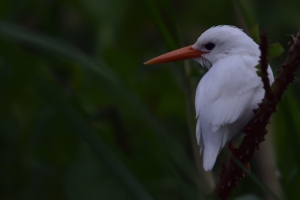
(256, 180)
(54, 95)
(171, 43)
(287, 139)
(108, 17)
(88, 179)
(275, 50)
(40, 155)
(247, 17)
(254, 33)
(93, 140)
(186, 82)
(112, 80)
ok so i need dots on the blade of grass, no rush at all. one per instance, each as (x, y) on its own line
(93, 140)
(53, 95)
(99, 69)
(247, 17)
(171, 43)
(292, 112)
(186, 82)
(173, 23)
(255, 179)
(287, 130)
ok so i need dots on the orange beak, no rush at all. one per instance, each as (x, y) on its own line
(179, 54)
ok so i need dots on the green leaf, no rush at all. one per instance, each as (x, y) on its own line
(275, 50)
(254, 33)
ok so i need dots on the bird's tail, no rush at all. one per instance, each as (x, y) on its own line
(209, 156)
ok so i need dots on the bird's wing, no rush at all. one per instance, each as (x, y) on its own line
(226, 91)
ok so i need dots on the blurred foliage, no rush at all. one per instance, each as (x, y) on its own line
(82, 118)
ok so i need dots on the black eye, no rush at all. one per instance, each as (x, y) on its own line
(209, 46)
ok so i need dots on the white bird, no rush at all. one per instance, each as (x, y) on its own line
(228, 92)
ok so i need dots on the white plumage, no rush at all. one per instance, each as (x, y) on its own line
(228, 92)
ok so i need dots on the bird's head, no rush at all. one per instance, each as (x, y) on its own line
(213, 45)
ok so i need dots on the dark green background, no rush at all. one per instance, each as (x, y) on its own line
(81, 117)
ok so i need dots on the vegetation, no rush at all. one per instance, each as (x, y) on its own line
(81, 117)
